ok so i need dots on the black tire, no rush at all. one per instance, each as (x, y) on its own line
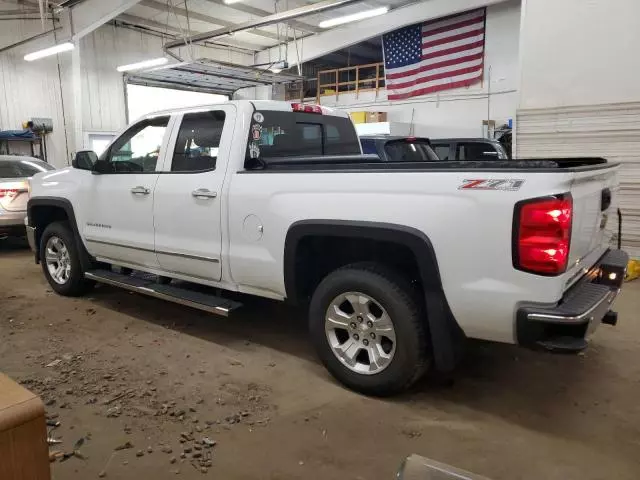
(76, 283)
(395, 294)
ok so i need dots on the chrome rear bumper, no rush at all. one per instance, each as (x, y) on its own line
(568, 324)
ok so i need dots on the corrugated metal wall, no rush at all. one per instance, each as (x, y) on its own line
(44, 88)
(611, 131)
(31, 89)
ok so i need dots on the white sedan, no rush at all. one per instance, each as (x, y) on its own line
(15, 172)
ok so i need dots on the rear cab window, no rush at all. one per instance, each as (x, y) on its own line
(410, 150)
(442, 150)
(277, 134)
(482, 151)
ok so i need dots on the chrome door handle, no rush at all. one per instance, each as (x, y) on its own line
(203, 193)
(140, 190)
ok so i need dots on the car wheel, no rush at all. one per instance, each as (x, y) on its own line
(369, 329)
(61, 261)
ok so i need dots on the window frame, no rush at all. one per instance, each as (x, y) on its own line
(161, 153)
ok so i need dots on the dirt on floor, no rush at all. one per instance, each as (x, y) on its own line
(147, 388)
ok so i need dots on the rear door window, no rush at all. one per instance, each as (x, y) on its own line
(406, 150)
(293, 134)
(198, 141)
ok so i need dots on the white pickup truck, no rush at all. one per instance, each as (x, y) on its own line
(399, 262)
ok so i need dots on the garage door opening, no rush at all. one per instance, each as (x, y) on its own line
(142, 100)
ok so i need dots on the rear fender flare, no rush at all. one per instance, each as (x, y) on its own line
(444, 331)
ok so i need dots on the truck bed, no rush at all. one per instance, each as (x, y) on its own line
(351, 163)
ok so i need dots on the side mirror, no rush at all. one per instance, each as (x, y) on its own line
(84, 160)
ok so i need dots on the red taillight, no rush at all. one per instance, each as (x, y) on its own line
(8, 193)
(299, 107)
(542, 230)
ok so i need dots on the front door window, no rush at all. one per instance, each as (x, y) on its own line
(137, 150)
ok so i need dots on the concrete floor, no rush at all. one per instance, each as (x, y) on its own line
(129, 364)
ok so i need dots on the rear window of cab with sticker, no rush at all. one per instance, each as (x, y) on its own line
(277, 134)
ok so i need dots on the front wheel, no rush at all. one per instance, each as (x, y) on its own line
(369, 329)
(60, 260)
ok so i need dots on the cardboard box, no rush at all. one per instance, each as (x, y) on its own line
(375, 117)
(358, 117)
(24, 453)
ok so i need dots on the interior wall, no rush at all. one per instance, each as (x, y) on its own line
(459, 112)
(579, 92)
(44, 88)
(579, 53)
(32, 89)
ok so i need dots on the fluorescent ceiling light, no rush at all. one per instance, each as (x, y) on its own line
(62, 47)
(353, 18)
(154, 62)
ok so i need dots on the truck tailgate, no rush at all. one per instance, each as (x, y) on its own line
(594, 206)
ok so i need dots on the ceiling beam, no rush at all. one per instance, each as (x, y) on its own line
(241, 7)
(351, 59)
(206, 18)
(91, 14)
(280, 17)
(362, 50)
(160, 27)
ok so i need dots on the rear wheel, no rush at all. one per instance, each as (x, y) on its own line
(60, 260)
(369, 329)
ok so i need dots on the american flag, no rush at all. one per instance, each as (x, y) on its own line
(436, 55)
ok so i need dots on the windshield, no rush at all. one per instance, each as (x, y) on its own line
(410, 150)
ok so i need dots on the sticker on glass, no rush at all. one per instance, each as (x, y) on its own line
(254, 150)
(258, 117)
(256, 131)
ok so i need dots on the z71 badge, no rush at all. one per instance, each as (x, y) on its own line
(509, 184)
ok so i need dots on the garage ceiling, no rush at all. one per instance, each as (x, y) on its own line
(208, 76)
(188, 17)
(182, 18)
